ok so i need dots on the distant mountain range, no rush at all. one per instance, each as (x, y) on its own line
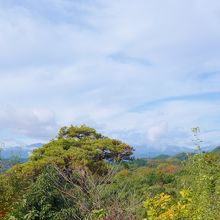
(22, 152)
(169, 150)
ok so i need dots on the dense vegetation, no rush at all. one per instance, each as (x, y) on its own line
(83, 175)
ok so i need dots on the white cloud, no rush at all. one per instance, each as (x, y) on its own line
(34, 123)
(156, 131)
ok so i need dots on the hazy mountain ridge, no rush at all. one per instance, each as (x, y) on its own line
(24, 151)
(20, 151)
(170, 151)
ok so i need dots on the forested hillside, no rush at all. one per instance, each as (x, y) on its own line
(82, 174)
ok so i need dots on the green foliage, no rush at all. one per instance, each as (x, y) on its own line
(45, 201)
(78, 133)
(80, 146)
(83, 175)
(182, 156)
(200, 197)
(134, 185)
(216, 150)
(98, 214)
(134, 163)
(161, 157)
(74, 148)
(202, 178)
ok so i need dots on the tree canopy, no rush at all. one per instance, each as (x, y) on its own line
(78, 146)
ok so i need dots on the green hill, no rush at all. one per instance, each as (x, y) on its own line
(217, 150)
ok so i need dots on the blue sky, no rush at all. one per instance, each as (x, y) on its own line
(143, 71)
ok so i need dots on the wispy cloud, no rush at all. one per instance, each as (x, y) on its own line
(206, 97)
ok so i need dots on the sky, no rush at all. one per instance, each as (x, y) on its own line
(143, 71)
